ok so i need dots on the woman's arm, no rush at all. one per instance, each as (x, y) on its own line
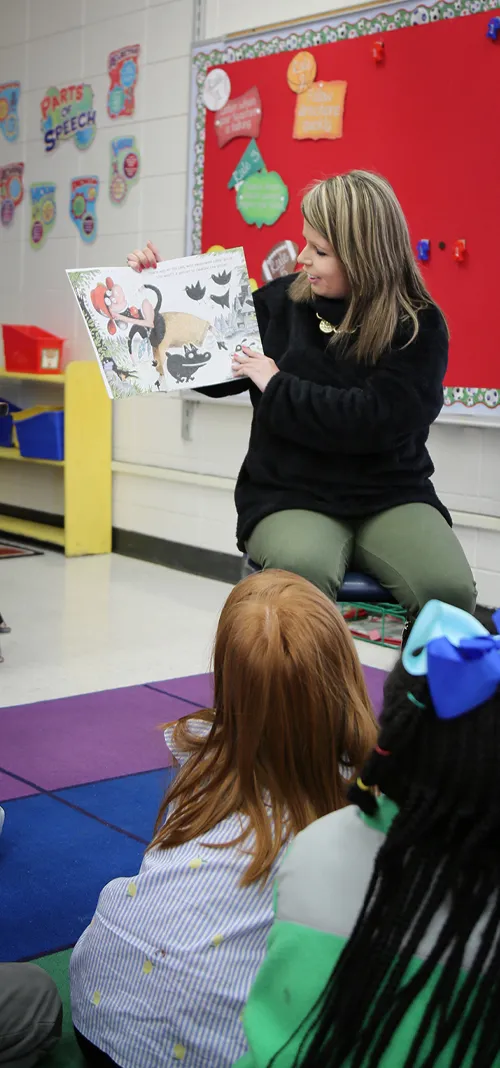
(402, 396)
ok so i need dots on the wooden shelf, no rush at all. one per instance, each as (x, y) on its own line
(86, 465)
(32, 378)
(14, 454)
(26, 528)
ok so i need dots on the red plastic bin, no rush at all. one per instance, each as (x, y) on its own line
(30, 350)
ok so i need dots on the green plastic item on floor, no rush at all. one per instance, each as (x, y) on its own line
(66, 1053)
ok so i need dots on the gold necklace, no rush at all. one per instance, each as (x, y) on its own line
(329, 328)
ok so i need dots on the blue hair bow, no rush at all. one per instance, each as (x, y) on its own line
(459, 657)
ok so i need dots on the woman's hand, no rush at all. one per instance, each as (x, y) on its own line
(254, 365)
(143, 258)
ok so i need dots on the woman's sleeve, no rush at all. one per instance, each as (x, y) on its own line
(402, 396)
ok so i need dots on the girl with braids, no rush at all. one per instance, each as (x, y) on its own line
(385, 950)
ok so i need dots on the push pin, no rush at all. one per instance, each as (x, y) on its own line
(459, 250)
(493, 28)
(423, 250)
(378, 51)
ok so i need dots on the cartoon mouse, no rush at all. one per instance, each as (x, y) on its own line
(110, 300)
(182, 366)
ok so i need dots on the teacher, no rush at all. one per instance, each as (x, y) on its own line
(337, 472)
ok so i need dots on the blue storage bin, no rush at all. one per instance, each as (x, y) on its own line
(6, 425)
(41, 436)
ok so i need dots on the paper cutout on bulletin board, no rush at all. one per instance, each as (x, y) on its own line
(43, 212)
(123, 70)
(250, 163)
(9, 119)
(11, 191)
(281, 260)
(217, 89)
(319, 112)
(262, 198)
(301, 72)
(125, 167)
(83, 204)
(67, 114)
(241, 117)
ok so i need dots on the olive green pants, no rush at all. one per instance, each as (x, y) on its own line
(410, 550)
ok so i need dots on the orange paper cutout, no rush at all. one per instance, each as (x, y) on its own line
(301, 72)
(319, 112)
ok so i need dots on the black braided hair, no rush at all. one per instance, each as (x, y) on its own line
(442, 852)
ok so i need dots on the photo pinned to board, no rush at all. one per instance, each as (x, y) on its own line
(43, 212)
(123, 70)
(124, 167)
(177, 330)
(83, 204)
(11, 191)
(9, 102)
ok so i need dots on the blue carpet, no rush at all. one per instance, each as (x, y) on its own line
(131, 803)
(54, 863)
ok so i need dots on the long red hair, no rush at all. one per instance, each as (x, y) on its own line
(291, 726)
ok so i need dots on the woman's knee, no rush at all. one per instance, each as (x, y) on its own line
(307, 565)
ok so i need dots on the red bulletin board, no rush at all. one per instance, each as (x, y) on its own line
(426, 118)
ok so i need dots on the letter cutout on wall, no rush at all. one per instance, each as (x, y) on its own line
(67, 114)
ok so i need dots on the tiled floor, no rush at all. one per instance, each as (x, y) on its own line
(96, 623)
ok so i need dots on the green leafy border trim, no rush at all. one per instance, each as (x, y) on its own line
(361, 26)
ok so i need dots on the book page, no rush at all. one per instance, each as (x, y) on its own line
(170, 328)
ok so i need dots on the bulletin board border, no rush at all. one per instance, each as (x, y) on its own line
(460, 402)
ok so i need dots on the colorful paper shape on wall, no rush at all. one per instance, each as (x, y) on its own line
(67, 114)
(319, 112)
(281, 260)
(301, 72)
(217, 89)
(250, 163)
(123, 70)
(43, 212)
(240, 117)
(82, 206)
(262, 198)
(11, 191)
(9, 119)
(125, 167)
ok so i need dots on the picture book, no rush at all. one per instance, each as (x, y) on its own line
(170, 328)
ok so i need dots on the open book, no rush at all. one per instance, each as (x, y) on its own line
(169, 328)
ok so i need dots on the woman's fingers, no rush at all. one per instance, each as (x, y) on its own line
(155, 251)
(141, 259)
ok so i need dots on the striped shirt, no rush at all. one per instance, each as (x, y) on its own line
(161, 975)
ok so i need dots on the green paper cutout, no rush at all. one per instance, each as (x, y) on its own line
(43, 212)
(250, 163)
(262, 198)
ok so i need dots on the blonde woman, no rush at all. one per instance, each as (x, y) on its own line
(337, 472)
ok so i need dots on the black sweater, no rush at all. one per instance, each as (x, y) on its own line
(332, 435)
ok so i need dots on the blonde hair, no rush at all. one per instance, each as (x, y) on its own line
(360, 216)
(291, 726)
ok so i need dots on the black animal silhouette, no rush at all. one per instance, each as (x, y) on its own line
(183, 366)
(196, 292)
(154, 334)
(222, 279)
(223, 300)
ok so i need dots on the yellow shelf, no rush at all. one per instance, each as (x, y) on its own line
(86, 465)
(14, 454)
(26, 528)
(31, 378)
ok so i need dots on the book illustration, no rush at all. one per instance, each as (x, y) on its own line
(170, 332)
